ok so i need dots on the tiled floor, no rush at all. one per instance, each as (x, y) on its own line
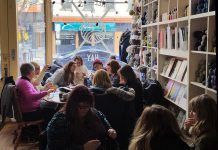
(6, 137)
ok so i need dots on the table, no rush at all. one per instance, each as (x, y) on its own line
(54, 98)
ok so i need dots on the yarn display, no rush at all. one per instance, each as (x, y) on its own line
(211, 80)
(200, 7)
(200, 74)
(201, 40)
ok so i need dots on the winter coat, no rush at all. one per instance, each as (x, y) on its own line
(118, 106)
(169, 141)
(137, 86)
(60, 137)
(207, 141)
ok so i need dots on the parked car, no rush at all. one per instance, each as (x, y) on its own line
(88, 56)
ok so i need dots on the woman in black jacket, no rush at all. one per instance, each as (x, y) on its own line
(128, 79)
(117, 104)
(78, 126)
(157, 129)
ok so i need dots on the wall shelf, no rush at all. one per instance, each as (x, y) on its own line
(159, 31)
(175, 53)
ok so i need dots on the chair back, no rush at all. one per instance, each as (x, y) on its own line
(16, 106)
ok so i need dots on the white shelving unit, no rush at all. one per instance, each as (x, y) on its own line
(182, 18)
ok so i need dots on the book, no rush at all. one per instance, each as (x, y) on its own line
(183, 101)
(173, 35)
(174, 91)
(184, 78)
(181, 71)
(176, 69)
(166, 63)
(169, 38)
(168, 87)
(180, 94)
(170, 66)
(181, 118)
(183, 38)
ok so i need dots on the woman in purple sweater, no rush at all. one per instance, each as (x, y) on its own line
(28, 96)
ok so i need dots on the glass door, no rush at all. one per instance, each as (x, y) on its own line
(31, 31)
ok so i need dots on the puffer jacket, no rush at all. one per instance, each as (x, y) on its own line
(118, 107)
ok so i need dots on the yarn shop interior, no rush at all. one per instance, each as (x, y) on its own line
(108, 75)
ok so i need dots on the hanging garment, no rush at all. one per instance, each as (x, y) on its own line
(124, 43)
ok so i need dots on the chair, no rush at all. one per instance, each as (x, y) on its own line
(20, 123)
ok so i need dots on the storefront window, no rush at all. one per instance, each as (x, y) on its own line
(31, 31)
(93, 27)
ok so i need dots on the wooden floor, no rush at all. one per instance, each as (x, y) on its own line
(6, 137)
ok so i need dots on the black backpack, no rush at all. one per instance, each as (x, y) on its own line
(152, 93)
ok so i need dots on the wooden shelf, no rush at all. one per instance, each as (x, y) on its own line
(149, 25)
(211, 53)
(174, 20)
(203, 87)
(173, 79)
(174, 53)
(150, 3)
(199, 52)
(203, 15)
(203, 52)
(174, 103)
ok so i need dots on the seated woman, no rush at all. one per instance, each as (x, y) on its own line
(63, 76)
(112, 68)
(157, 129)
(78, 126)
(202, 122)
(117, 104)
(81, 71)
(29, 97)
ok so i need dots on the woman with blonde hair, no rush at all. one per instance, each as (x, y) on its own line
(202, 122)
(157, 129)
(63, 76)
(117, 104)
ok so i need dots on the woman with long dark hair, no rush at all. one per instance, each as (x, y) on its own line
(81, 71)
(78, 125)
(112, 68)
(63, 76)
(128, 79)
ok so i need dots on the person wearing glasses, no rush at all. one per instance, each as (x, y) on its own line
(78, 126)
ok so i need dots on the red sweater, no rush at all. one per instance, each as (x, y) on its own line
(29, 97)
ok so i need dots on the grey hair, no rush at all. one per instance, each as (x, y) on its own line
(26, 69)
